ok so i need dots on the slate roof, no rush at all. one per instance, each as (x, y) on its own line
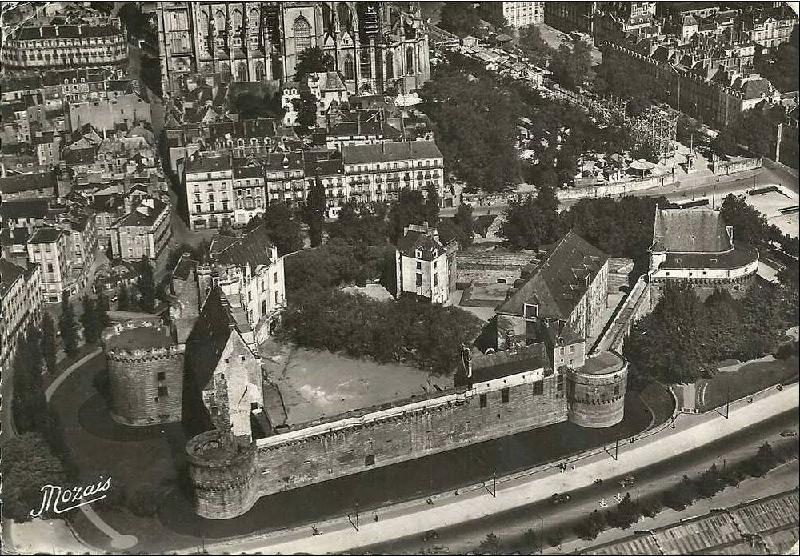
(208, 164)
(36, 208)
(208, 338)
(9, 273)
(692, 230)
(15, 183)
(559, 281)
(46, 235)
(421, 238)
(244, 168)
(184, 266)
(508, 362)
(143, 214)
(387, 152)
(253, 248)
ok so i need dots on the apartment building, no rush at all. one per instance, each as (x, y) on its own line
(20, 305)
(144, 232)
(49, 248)
(209, 189)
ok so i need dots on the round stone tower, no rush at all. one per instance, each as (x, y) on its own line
(596, 391)
(145, 372)
(222, 473)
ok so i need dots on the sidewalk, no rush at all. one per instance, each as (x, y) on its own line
(405, 519)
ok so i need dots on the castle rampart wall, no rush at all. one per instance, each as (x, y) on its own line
(597, 400)
(347, 446)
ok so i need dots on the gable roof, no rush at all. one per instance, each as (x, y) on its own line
(420, 237)
(509, 362)
(34, 208)
(209, 337)
(253, 248)
(9, 273)
(696, 229)
(559, 281)
(16, 183)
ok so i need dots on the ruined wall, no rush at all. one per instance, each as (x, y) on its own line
(335, 449)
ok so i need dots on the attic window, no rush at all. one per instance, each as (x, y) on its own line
(418, 254)
(531, 311)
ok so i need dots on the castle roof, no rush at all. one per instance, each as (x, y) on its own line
(509, 362)
(692, 230)
(253, 248)
(559, 281)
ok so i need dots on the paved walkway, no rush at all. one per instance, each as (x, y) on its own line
(404, 519)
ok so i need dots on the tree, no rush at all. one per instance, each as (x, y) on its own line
(90, 319)
(491, 545)
(591, 526)
(103, 306)
(432, 205)
(460, 18)
(48, 342)
(764, 461)
(146, 285)
(532, 541)
(408, 209)
(29, 403)
(533, 46)
(312, 60)
(459, 228)
(572, 67)
(627, 512)
(109, 252)
(681, 495)
(283, 228)
(68, 327)
(780, 67)
(710, 483)
(306, 107)
(555, 537)
(748, 222)
(314, 211)
(27, 465)
(123, 298)
(360, 223)
(531, 222)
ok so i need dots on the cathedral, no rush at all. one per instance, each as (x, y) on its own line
(376, 46)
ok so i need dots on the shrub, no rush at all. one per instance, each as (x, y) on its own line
(652, 507)
(554, 537)
(144, 500)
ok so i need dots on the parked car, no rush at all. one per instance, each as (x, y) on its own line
(559, 498)
(628, 480)
(788, 433)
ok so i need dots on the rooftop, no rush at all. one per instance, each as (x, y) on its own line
(693, 230)
(45, 235)
(558, 283)
(9, 272)
(387, 152)
(140, 338)
(319, 385)
(208, 163)
(602, 363)
(508, 362)
(36, 208)
(15, 183)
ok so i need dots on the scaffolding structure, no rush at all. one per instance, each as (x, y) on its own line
(657, 128)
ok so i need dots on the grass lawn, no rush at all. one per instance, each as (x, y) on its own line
(747, 380)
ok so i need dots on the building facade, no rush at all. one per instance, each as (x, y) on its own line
(20, 305)
(425, 266)
(209, 189)
(83, 40)
(49, 248)
(374, 45)
(144, 232)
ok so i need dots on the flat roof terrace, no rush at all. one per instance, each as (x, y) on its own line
(316, 385)
(140, 338)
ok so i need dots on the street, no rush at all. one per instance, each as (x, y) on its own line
(511, 525)
(445, 510)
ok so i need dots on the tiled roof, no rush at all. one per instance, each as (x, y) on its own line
(15, 183)
(253, 248)
(385, 152)
(559, 282)
(696, 229)
(24, 208)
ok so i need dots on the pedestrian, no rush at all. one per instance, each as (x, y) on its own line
(376, 518)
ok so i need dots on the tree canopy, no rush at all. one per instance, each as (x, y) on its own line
(313, 60)
(460, 18)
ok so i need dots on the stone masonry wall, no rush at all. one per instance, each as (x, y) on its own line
(597, 400)
(410, 436)
(135, 381)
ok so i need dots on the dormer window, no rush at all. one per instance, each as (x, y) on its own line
(418, 254)
(531, 311)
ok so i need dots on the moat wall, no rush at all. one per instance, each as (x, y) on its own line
(339, 448)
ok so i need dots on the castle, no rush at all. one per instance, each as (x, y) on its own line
(254, 435)
(695, 245)
(375, 45)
